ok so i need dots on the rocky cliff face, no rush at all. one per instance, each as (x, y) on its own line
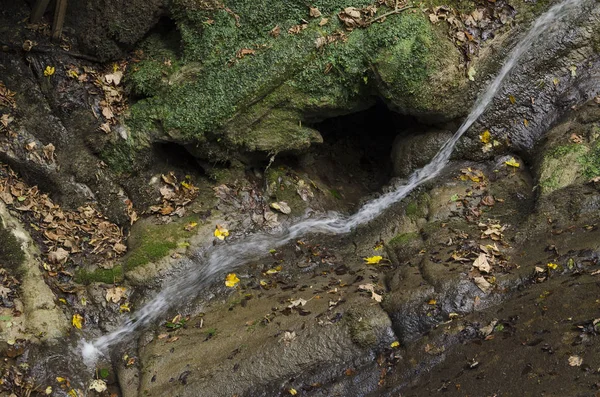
(250, 115)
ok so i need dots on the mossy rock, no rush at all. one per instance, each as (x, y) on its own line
(220, 102)
(11, 255)
(148, 242)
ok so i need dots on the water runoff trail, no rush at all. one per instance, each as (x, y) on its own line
(226, 257)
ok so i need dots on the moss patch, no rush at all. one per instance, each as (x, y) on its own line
(403, 238)
(259, 101)
(11, 255)
(148, 243)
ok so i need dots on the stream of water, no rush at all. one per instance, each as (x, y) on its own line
(224, 258)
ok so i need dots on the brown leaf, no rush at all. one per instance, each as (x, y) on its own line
(323, 21)
(108, 113)
(243, 52)
(314, 12)
(58, 256)
(488, 201)
(119, 248)
(276, 31)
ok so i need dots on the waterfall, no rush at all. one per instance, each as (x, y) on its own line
(226, 257)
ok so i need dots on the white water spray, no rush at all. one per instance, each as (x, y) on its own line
(226, 257)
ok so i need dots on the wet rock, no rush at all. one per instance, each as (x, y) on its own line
(40, 319)
(414, 149)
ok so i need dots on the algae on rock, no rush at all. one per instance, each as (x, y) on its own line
(235, 88)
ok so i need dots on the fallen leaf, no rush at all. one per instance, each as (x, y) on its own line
(482, 283)
(282, 207)
(297, 303)
(471, 73)
(552, 266)
(485, 136)
(512, 162)
(221, 232)
(114, 78)
(526, 122)
(512, 99)
(119, 248)
(190, 226)
(98, 385)
(77, 321)
(573, 70)
(395, 344)
(276, 31)
(293, 391)
(575, 361)
(373, 260)
(115, 294)
(323, 21)
(231, 280)
(482, 264)
(49, 71)
(371, 288)
(314, 12)
(58, 256)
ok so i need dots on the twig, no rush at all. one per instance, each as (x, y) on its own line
(50, 50)
(395, 11)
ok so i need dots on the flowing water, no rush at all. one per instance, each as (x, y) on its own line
(226, 257)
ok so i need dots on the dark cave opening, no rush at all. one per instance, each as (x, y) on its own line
(356, 151)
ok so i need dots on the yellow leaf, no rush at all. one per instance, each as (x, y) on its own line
(190, 226)
(221, 232)
(62, 300)
(395, 344)
(49, 71)
(60, 379)
(525, 122)
(48, 390)
(186, 185)
(72, 73)
(72, 393)
(293, 391)
(555, 81)
(485, 137)
(512, 162)
(373, 260)
(274, 270)
(432, 302)
(552, 266)
(512, 99)
(231, 280)
(124, 308)
(77, 320)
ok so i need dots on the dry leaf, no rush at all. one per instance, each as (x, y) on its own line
(482, 283)
(58, 256)
(314, 12)
(281, 206)
(276, 31)
(482, 264)
(221, 232)
(575, 361)
(115, 294)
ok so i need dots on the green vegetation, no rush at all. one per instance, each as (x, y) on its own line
(11, 255)
(403, 238)
(221, 99)
(148, 243)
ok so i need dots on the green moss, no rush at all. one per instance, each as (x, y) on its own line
(150, 242)
(258, 102)
(11, 255)
(591, 162)
(147, 243)
(403, 238)
(108, 276)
